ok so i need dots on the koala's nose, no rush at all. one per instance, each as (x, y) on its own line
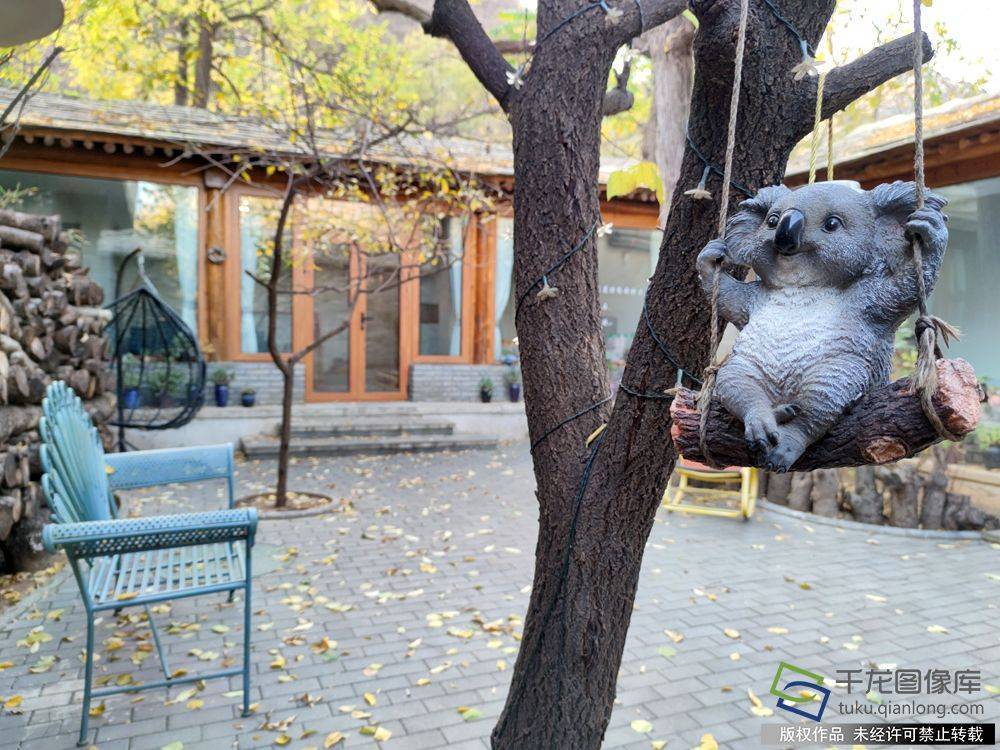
(788, 235)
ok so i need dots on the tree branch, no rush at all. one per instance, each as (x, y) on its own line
(456, 21)
(634, 22)
(855, 79)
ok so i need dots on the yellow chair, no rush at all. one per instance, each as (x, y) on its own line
(713, 501)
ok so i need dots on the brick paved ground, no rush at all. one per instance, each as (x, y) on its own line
(436, 546)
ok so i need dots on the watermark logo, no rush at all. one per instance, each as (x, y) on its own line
(807, 685)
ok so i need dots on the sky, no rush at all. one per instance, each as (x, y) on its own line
(971, 23)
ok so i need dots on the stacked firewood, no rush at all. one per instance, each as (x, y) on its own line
(51, 327)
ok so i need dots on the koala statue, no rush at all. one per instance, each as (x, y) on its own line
(835, 280)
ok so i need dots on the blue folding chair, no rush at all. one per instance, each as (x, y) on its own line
(130, 562)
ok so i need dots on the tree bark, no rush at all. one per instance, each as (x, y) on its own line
(935, 492)
(778, 487)
(203, 66)
(887, 426)
(903, 488)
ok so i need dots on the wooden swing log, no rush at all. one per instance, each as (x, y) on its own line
(886, 426)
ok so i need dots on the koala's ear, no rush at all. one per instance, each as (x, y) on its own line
(766, 197)
(899, 199)
(744, 224)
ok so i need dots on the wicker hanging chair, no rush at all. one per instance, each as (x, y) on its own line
(159, 367)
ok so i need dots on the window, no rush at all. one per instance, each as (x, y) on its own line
(258, 221)
(113, 218)
(966, 292)
(441, 295)
(626, 259)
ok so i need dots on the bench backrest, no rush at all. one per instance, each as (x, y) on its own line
(75, 480)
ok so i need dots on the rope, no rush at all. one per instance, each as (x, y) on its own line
(927, 326)
(817, 119)
(708, 378)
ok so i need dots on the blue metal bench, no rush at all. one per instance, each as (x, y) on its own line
(129, 562)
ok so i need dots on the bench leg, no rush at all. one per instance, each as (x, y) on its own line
(88, 675)
(246, 634)
(159, 646)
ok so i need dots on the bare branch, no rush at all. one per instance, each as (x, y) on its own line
(456, 21)
(855, 79)
(634, 21)
(406, 8)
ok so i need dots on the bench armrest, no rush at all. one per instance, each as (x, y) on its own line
(152, 468)
(117, 536)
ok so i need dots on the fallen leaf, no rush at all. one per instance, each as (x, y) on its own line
(333, 738)
(707, 743)
(936, 629)
(734, 634)
(641, 726)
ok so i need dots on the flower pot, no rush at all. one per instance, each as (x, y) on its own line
(221, 395)
(485, 395)
(248, 399)
(514, 392)
(130, 398)
(992, 457)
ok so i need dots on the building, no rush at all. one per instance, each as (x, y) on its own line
(120, 175)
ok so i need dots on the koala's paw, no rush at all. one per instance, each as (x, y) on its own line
(781, 458)
(785, 413)
(761, 433)
(712, 256)
(926, 223)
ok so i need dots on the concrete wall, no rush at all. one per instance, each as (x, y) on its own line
(452, 382)
(263, 377)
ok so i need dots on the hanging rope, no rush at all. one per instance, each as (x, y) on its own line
(708, 378)
(817, 121)
(927, 326)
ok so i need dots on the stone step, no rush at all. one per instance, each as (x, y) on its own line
(370, 427)
(267, 447)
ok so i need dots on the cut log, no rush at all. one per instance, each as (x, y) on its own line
(800, 492)
(21, 238)
(886, 426)
(865, 501)
(826, 492)
(778, 486)
(48, 227)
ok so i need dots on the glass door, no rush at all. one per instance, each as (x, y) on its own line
(361, 296)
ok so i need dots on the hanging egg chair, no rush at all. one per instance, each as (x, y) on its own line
(159, 368)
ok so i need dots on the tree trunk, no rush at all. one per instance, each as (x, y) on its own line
(935, 491)
(181, 84)
(284, 433)
(597, 506)
(203, 67)
(669, 47)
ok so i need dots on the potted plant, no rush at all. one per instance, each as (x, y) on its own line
(485, 390)
(221, 377)
(248, 397)
(164, 384)
(130, 382)
(512, 377)
(991, 444)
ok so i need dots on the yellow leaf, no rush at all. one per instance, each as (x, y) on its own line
(282, 739)
(195, 703)
(936, 629)
(278, 663)
(734, 634)
(423, 681)
(97, 710)
(621, 182)
(14, 701)
(758, 708)
(382, 734)
(708, 743)
(332, 739)
(370, 699)
(674, 636)
(641, 726)
(658, 744)
(778, 631)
